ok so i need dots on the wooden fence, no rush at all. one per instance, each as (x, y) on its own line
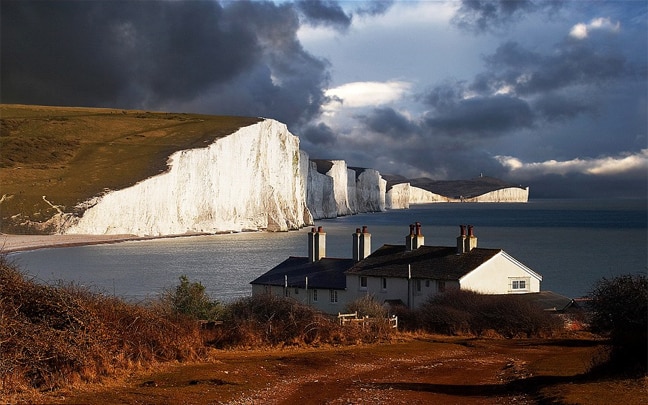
(354, 319)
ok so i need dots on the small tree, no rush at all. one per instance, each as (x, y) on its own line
(620, 310)
(367, 306)
(191, 299)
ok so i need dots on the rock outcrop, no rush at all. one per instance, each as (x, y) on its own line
(250, 180)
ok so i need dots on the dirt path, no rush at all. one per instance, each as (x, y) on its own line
(420, 371)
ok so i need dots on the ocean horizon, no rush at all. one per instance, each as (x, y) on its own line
(571, 243)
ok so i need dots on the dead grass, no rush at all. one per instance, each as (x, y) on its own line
(71, 154)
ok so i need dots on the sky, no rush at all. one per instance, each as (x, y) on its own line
(541, 93)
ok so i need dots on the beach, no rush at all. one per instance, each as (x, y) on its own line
(18, 243)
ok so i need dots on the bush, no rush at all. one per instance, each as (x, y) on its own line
(367, 306)
(54, 336)
(460, 312)
(190, 299)
(271, 320)
(620, 311)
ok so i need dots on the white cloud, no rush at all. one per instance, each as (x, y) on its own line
(582, 30)
(366, 94)
(602, 166)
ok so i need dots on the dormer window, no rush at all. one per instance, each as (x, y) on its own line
(519, 284)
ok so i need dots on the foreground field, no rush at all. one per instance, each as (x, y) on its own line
(422, 370)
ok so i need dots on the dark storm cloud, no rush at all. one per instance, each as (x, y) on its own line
(376, 7)
(157, 54)
(485, 116)
(320, 134)
(571, 64)
(388, 121)
(324, 12)
(491, 15)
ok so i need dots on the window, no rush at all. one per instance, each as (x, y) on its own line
(383, 283)
(519, 284)
(417, 282)
(363, 282)
(334, 296)
(314, 295)
(427, 283)
(441, 286)
(296, 290)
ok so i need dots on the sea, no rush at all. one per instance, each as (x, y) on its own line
(571, 243)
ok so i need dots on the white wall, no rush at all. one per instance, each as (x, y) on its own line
(323, 302)
(494, 276)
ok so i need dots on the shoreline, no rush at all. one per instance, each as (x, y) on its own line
(19, 243)
(11, 243)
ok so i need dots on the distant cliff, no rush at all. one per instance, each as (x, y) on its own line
(155, 174)
(258, 179)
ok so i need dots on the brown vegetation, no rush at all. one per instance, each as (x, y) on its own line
(71, 154)
(67, 344)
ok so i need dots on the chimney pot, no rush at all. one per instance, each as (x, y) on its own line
(320, 229)
(463, 230)
(357, 230)
(364, 229)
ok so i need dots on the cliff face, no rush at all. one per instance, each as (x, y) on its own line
(254, 179)
(370, 191)
(511, 194)
(420, 196)
(249, 180)
(333, 189)
(398, 197)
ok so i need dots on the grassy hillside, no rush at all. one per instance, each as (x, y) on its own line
(71, 154)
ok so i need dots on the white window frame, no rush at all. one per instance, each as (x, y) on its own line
(333, 296)
(519, 284)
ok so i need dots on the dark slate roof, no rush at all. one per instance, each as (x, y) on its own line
(549, 301)
(432, 262)
(326, 273)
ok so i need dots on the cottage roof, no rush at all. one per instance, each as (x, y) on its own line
(326, 273)
(431, 262)
(549, 301)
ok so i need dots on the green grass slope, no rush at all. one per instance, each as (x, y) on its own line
(70, 155)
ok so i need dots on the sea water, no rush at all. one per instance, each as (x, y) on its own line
(571, 243)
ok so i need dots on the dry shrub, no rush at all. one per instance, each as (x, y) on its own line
(269, 320)
(54, 336)
(266, 320)
(466, 312)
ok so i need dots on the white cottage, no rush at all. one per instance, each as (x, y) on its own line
(412, 272)
(406, 274)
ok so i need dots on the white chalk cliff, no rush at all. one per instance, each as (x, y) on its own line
(254, 179)
(249, 180)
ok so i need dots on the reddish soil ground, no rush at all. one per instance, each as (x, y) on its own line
(433, 369)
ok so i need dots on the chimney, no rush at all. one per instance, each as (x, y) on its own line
(316, 244)
(415, 239)
(461, 240)
(471, 240)
(361, 244)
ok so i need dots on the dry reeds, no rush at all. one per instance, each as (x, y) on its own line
(55, 336)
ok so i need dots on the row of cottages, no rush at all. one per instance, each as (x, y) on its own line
(396, 274)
